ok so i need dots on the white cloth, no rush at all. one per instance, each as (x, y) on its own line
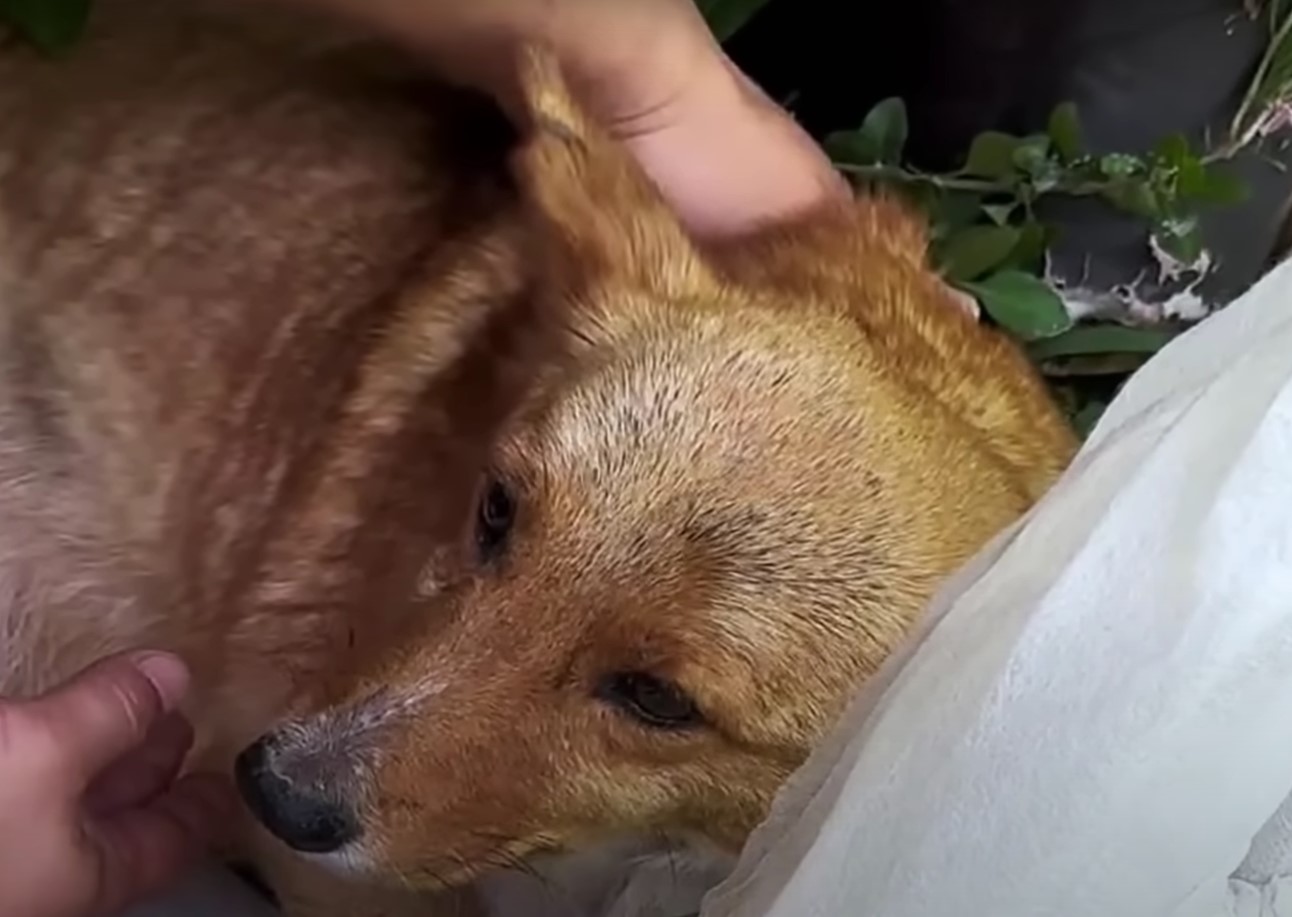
(1098, 721)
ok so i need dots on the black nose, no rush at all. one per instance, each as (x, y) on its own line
(299, 816)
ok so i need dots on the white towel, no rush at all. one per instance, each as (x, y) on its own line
(1099, 720)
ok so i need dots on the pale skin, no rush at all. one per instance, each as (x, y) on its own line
(725, 157)
(93, 815)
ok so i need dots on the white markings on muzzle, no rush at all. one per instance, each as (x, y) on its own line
(358, 724)
(354, 732)
(354, 860)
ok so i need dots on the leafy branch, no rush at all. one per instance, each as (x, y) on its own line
(1004, 176)
(988, 239)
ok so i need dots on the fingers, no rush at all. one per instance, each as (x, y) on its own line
(145, 771)
(84, 726)
(91, 767)
(140, 850)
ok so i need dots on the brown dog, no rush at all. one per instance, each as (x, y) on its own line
(515, 521)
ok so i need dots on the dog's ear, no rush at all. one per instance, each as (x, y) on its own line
(595, 203)
(854, 252)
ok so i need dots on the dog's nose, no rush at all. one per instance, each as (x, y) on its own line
(301, 816)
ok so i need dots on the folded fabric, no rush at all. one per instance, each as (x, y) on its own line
(1097, 718)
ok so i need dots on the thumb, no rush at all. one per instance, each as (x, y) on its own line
(81, 727)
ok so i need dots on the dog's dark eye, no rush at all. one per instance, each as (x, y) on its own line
(654, 702)
(494, 518)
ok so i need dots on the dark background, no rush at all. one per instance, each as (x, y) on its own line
(1138, 70)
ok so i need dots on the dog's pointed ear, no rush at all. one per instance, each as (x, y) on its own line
(593, 199)
(854, 251)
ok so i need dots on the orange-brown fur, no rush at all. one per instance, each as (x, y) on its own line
(270, 307)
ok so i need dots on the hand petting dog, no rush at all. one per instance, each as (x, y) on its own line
(92, 817)
(725, 157)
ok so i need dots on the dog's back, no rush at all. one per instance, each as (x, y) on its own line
(208, 220)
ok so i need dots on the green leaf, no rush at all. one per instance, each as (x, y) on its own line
(1082, 406)
(1097, 365)
(1085, 419)
(882, 136)
(1065, 132)
(1032, 155)
(1191, 179)
(1046, 175)
(975, 250)
(1222, 187)
(952, 211)
(1022, 304)
(880, 140)
(727, 17)
(1033, 158)
(53, 26)
(1097, 339)
(1174, 151)
(1029, 253)
(848, 147)
(1134, 196)
(991, 155)
(1181, 239)
(1085, 171)
(923, 197)
(999, 213)
(1121, 165)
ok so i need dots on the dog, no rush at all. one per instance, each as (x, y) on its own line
(501, 522)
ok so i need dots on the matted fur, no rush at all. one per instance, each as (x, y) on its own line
(271, 306)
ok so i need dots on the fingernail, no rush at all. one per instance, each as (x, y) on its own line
(168, 675)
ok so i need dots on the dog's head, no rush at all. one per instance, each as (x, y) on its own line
(697, 534)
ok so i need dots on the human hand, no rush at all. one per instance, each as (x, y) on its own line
(91, 816)
(724, 156)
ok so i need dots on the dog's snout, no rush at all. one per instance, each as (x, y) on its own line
(303, 815)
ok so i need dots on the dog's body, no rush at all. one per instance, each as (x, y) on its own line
(269, 308)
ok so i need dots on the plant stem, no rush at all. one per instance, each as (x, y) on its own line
(1240, 133)
(960, 182)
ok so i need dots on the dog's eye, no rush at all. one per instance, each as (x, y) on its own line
(654, 702)
(494, 518)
